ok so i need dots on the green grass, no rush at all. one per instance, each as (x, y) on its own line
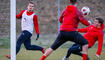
(47, 41)
(4, 42)
(3, 52)
(56, 55)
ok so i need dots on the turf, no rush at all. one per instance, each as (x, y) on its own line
(56, 55)
(3, 52)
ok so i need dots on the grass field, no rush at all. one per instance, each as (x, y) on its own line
(57, 55)
(45, 41)
(3, 52)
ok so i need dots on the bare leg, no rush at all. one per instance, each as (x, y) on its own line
(85, 51)
(47, 53)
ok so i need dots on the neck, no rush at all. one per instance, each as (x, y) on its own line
(29, 10)
(74, 4)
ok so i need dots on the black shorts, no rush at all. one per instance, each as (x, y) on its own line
(69, 36)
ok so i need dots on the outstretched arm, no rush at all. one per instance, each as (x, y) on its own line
(19, 16)
(35, 20)
(100, 43)
(82, 30)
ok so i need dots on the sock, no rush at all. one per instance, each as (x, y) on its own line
(43, 51)
(84, 56)
(8, 56)
(43, 57)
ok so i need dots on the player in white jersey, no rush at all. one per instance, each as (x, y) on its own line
(28, 21)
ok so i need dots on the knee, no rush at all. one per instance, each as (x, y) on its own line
(85, 49)
(71, 50)
(28, 48)
(86, 42)
(50, 49)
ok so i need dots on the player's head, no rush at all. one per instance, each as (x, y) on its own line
(30, 6)
(73, 2)
(98, 21)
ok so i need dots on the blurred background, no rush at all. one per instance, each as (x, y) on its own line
(4, 28)
(47, 12)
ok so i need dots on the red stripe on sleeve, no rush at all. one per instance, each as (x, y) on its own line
(19, 16)
(35, 20)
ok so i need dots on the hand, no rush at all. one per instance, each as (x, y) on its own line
(90, 22)
(37, 37)
(98, 56)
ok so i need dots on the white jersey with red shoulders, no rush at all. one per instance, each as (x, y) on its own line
(27, 22)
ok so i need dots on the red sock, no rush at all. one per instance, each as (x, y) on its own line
(8, 56)
(43, 57)
(84, 56)
(43, 51)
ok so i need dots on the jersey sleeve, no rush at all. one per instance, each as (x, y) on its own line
(61, 17)
(82, 30)
(82, 19)
(35, 21)
(19, 16)
(100, 43)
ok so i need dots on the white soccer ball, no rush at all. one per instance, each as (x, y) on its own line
(85, 10)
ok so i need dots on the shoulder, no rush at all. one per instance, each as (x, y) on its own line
(71, 7)
(79, 12)
(23, 11)
(90, 27)
(35, 15)
(101, 32)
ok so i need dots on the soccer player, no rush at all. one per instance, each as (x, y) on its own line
(28, 20)
(69, 20)
(93, 33)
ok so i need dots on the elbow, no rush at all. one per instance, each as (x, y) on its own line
(88, 24)
(18, 17)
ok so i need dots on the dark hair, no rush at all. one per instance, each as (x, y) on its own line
(73, 1)
(31, 2)
(100, 20)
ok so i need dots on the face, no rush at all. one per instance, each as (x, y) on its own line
(30, 7)
(96, 23)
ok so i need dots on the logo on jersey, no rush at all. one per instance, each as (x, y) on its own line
(24, 19)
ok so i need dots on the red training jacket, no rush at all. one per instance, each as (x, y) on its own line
(94, 34)
(35, 19)
(70, 19)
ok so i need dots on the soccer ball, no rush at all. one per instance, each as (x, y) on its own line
(85, 10)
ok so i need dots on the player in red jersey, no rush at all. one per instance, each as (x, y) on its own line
(69, 20)
(93, 33)
(28, 20)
